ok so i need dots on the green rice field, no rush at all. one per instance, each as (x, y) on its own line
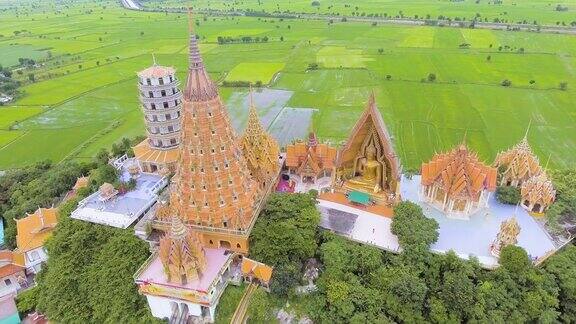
(85, 95)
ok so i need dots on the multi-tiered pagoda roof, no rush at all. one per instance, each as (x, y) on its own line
(459, 173)
(212, 187)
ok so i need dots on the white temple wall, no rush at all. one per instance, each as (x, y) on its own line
(161, 307)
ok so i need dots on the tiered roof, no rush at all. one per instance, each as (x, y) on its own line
(33, 230)
(181, 254)
(212, 185)
(260, 149)
(459, 173)
(144, 152)
(539, 189)
(316, 155)
(519, 161)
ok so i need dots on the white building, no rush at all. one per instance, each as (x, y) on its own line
(120, 209)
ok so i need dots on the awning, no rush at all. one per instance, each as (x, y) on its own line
(359, 197)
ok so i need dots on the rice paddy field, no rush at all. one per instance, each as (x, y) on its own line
(318, 74)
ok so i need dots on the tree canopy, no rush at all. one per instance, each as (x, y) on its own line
(284, 236)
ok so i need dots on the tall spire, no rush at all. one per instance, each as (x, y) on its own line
(153, 59)
(199, 87)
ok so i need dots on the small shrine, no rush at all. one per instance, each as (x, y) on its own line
(256, 272)
(508, 235)
(517, 165)
(367, 162)
(183, 279)
(310, 160)
(537, 193)
(107, 191)
(457, 183)
(260, 150)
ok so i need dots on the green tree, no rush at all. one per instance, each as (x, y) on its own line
(508, 195)
(260, 309)
(412, 227)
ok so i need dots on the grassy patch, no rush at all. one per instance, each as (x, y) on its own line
(228, 303)
(253, 72)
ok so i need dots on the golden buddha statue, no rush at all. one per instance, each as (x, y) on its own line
(370, 171)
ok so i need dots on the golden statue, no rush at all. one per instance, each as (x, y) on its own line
(371, 172)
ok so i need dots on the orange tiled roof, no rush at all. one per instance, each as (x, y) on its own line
(33, 230)
(257, 269)
(10, 269)
(144, 152)
(323, 154)
(12, 257)
(459, 173)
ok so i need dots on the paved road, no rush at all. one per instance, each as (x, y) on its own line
(135, 5)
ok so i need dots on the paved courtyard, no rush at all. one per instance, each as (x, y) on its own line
(358, 225)
(465, 237)
(473, 237)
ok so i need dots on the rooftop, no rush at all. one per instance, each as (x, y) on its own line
(34, 229)
(122, 209)
(156, 71)
(216, 259)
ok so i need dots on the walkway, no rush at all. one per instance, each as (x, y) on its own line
(358, 225)
(241, 314)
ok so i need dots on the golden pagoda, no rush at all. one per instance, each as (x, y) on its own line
(367, 162)
(310, 160)
(508, 235)
(518, 164)
(181, 253)
(212, 189)
(260, 150)
(457, 182)
(537, 193)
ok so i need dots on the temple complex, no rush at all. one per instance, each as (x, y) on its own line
(183, 279)
(260, 150)
(310, 160)
(457, 183)
(517, 165)
(161, 102)
(212, 189)
(508, 235)
(367, 163)
(537, 193)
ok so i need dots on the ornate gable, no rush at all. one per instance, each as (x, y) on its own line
(459, 173)
(519, 163)
(370, 130)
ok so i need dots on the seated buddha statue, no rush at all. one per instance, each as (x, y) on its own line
(370, 172)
